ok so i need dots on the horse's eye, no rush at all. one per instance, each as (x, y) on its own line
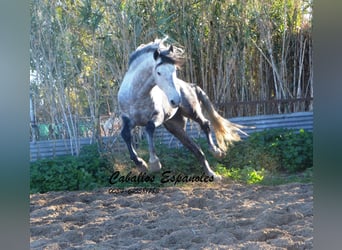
(158, 73)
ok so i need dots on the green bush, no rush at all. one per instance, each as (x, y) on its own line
(247, 175)
(293, 148)
(273, 150)
(269, 152)
(245, 154)
(85, 172)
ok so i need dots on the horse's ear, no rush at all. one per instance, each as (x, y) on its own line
(171, 48)
(156, 54)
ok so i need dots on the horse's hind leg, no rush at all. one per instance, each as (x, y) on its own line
(127, 136)
(176, 127)
(192, 109)
(205, 126)
(154, 162)
(194, 112)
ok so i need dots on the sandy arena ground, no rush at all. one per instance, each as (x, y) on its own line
(225, 216)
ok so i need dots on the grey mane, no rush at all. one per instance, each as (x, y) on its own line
(166, 56)
(139, 52)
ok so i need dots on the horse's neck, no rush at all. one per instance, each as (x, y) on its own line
(143, 80)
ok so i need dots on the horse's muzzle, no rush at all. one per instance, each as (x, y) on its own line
(175, 102)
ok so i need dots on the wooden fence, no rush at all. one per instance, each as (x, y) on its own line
(299, 120)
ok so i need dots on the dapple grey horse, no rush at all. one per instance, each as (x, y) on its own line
(151, 95)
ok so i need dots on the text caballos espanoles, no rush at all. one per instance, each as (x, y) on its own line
(166, 177)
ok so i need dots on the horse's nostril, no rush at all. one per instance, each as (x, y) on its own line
(174, 104)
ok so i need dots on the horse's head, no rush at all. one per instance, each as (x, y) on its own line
(165, 74)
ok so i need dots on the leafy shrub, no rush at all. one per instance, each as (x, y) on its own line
(273, 149)
(269, 151)
(85, 172)
(248, 175)
(293, 148)
(247, 154)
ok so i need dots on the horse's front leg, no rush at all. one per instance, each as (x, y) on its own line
(154, 162)
(127, 137)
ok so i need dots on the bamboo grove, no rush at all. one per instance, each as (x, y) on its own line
(237, 51)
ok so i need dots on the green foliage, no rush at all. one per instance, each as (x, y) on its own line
(85, 172)
(273, 149)
(245, 154)
(247, 175)
(268, 152)
(270, 157)
(279, 178)
(293, 148)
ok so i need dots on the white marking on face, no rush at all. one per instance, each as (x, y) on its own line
(165, 77)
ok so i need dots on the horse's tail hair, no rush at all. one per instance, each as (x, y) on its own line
(226, 132)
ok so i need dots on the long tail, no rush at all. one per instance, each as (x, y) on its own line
(226, 132)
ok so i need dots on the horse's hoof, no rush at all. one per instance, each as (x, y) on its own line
(217, 153)
(155, 166)
(217, 178)
(142, 167)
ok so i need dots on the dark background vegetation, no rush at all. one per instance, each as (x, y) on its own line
(252, 57)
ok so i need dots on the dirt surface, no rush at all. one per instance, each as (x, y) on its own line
(229, 216)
